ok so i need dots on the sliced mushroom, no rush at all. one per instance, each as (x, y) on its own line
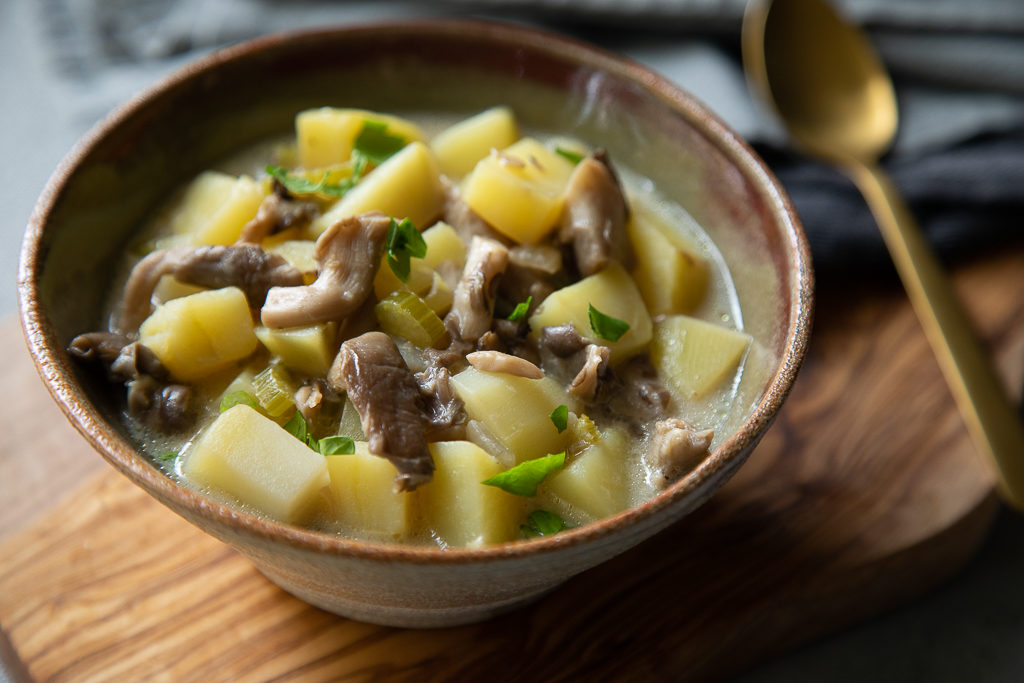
(245, 266)
(385, 393)
(595, 217)
(310, 397)
(562, 340)
(496, 361)
(348, 255)
(162, 405)
(585, 383)
(279, 211)
(676, 449)
(446, 416)
(473, 302)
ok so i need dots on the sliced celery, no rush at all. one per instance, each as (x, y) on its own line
(404, 314)
(274, 389)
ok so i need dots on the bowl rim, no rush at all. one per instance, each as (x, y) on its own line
(53, 365)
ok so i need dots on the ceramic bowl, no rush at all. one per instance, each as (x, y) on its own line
(245, 94)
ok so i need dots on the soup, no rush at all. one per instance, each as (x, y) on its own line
(425, 333)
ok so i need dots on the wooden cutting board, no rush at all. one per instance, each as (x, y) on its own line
(864, 494)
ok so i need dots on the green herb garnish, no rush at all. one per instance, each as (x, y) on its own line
(522, 480)
(519, 312)
(373, 145)
(542, 523)
(402, 242)
(560, 417)
(376, 143)
(605, 326)
(299, 428)
(297, 184)
(235, 397)
(337, 445)
(574, 157)
(169, 456)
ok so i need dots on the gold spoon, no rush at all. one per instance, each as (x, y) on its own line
(834, 96)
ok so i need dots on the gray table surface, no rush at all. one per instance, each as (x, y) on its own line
(970, 629)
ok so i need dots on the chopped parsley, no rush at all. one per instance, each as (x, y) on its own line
(560, 417)
(375, 142)
(297, 184)
(169, 456)
(235, 397)
(523, 479)
(519, 312)
(299, 428)
(337, 445)
(542, 523)
(402, 242)
(574, 157)
(373, 145)
(605, 326)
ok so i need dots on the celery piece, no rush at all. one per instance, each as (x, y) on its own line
(404, 314)
(274, 389)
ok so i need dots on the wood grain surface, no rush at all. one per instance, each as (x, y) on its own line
(865, 493)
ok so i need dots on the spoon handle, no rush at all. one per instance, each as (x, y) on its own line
(990, 417)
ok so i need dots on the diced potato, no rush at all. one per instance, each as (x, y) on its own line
(443, 244)
(199, 334)
(168, 288)
(458, 507)
(299, 253)
(515, 410)
(671, 279)
(520, 191)
(252, 458)
(408, 185)
(693, 356)
(461, 145)
(326, 135)
(385, 281)
(363, 497)
(594, 482)
(612, 292)
(308, 349)
(216, 207)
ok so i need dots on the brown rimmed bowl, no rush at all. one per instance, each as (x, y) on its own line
(228, 101)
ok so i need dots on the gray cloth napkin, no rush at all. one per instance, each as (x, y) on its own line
(959, 156)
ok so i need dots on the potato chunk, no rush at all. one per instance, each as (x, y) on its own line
(520, 190)
(199, 334)
(611, 292)
(253, 459)
(443, 244)
(461, 510)
(408, 185)
(308, 349)
(216, 207)
(594, 484)
(461, 145)
(363, 498)
(326, 135)
(672, 279)
(515, 410)
(694, 356)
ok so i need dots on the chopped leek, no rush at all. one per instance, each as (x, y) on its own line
(274, 389)
(404, 314)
